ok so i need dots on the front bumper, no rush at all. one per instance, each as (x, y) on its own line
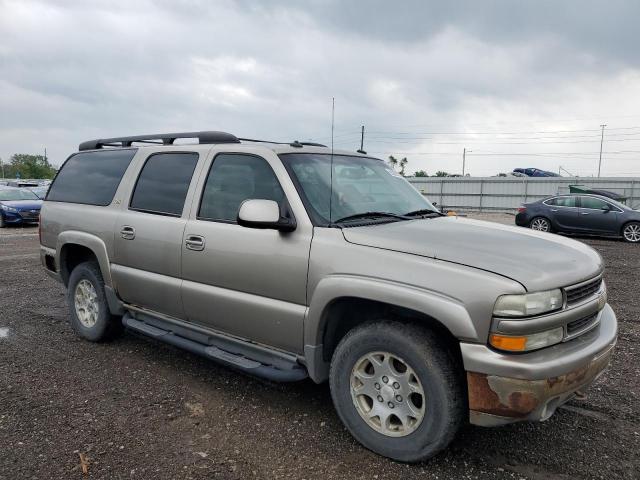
(505, 388)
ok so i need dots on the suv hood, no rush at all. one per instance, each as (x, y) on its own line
(539, 261)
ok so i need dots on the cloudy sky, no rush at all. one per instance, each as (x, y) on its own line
(516, 83)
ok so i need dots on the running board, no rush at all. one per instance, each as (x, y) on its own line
(294, 373)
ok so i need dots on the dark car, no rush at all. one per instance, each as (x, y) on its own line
(535, 172)
(18, 206)
(581, 214)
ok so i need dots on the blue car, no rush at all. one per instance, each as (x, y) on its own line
(18, 206)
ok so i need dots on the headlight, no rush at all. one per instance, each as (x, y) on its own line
(525, 343)
(528, 304)
(7, 208)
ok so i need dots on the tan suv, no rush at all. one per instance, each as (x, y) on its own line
(289, 261)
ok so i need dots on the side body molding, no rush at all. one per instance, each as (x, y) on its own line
(449, 311)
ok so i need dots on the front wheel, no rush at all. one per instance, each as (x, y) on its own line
(540, 224)
(631, 232)
(397, 390)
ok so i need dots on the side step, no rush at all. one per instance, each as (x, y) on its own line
(240, 362)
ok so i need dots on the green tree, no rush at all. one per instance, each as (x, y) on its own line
(421, 173)
(440, 173)
(29, 166)
(402, 163)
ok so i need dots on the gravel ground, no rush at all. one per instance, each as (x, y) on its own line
(138, 409)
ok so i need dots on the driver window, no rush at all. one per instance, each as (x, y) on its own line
(232, 179)
(593, 203)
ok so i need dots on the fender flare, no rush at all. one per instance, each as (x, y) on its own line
(448, 311)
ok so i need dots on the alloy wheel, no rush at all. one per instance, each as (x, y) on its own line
(387, 394)
(632, 233)
(540, 224)
(86, 303)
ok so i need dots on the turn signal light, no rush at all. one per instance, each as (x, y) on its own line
(510, 344)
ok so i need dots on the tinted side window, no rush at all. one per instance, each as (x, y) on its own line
(234, 178)
(163, 183)
(91, 178)
(551, 202)
(595, 203)
(565, 201)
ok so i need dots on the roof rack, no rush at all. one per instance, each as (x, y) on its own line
(159, 139)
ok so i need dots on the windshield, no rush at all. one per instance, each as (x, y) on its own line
(16, 194)
(360, 185)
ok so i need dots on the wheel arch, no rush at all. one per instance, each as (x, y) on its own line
(75, 247)
(340, 304)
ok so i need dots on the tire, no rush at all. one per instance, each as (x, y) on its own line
(92, 319)
(631, 232)
(540, 224)
(1, 221)
(435, 371)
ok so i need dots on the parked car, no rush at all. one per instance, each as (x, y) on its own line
(289, 261)
(581, 214)
(534, 172)
(18, 206)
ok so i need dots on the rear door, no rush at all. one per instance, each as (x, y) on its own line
(246, 282)
(599, 216)
(564, 213)
(149, 231)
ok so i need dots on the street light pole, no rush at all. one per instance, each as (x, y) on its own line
(601, 141)
(464, 159)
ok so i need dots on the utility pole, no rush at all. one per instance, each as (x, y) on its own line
(362, 139)
(601, 141)
(464, 159)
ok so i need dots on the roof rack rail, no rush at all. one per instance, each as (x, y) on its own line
(159, 139)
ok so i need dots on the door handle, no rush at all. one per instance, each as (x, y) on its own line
(554, 209)
(194, 242)
(584, 213)
(127, 232)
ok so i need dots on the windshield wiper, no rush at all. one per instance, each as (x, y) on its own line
(423, 212)
(371, 215)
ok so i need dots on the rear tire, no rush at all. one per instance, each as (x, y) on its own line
(90, 315)
(631, 232)
(423, 397)
(540, 224)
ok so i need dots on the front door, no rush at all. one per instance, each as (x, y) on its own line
(599, 216)
(149, 232)
(246, 282)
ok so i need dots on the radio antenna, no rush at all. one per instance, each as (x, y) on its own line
(333, 111)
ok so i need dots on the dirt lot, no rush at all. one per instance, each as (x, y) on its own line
(138, 409)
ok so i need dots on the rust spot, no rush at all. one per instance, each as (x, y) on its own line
(482, 398)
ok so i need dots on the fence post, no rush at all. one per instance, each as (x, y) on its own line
(441, 187)
(481, 193)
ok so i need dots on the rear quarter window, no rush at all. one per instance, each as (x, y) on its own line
(90, 178)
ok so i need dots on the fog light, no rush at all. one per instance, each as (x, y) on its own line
(526, 343)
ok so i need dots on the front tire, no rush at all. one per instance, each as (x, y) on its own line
(631, 232)
(540, 224)
(397, 390)
(90, 315)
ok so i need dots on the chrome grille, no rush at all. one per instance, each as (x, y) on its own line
(580, 292)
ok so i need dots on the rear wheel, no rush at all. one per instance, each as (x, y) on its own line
(90, 315)
(540, 224)
(397, 390)
(631, 232)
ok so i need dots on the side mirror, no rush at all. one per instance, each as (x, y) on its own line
(264, 214)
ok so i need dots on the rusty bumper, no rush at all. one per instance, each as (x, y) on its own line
(512, 393)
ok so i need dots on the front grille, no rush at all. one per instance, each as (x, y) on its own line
(581, 324)
(579, 293)
(29, 215)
